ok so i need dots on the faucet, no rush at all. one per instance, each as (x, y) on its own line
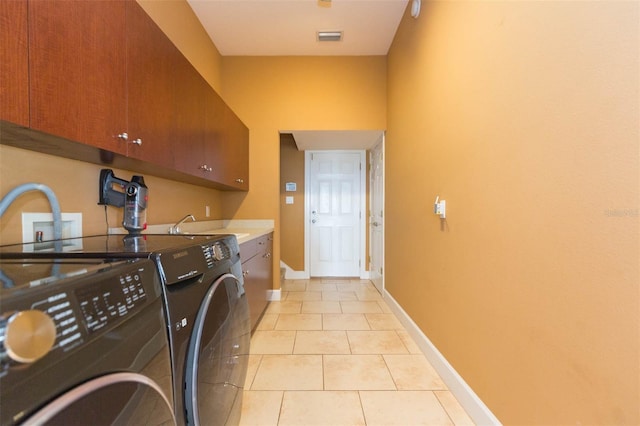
(175, 229)
(51, 196)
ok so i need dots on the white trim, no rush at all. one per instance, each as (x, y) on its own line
(472, 404)
(380, 143)
(290, 274)
(274, 295)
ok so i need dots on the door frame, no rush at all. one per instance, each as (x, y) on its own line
(372, 194)
(364, 274)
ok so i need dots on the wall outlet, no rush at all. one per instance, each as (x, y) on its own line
(207, 211)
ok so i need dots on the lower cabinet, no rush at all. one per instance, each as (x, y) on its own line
(257, 271)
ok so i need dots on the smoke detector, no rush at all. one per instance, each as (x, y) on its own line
(329, 35)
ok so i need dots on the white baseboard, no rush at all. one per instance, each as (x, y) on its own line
(472, 404)
(274, 295)
(290, 274)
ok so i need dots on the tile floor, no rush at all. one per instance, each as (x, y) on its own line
(332, 353)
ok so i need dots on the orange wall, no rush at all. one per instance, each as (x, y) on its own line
(524, 117)
(179, 23)
(75, 184)
(271, 94)
(292, 166)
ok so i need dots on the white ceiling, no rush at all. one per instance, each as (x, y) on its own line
(288, 27)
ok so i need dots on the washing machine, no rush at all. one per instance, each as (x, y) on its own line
(206, 311)
(83, 341)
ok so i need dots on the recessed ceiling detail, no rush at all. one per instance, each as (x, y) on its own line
(288, 27)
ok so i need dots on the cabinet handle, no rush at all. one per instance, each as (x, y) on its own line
(239, 180)
(137, 142)
(205, 168)
(124, 136)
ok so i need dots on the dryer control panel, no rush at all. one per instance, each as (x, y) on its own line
(66, 305)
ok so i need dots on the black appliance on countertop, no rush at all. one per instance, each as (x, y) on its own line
(207, 314)
(83, 341)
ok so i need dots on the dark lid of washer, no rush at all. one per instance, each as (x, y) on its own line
(107, 246)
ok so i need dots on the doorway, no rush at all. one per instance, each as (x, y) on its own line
(294, 206)
(334, 213)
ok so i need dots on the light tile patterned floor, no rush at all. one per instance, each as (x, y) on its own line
(331, 353)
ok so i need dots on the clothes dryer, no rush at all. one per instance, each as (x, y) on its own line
(206, 309)
(83, 342)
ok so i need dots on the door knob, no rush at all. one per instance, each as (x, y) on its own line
(313, 221)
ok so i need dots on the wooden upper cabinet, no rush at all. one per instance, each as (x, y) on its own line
(14, 62)
(214, 140)
(235, 151)
(190, 93)
(151, 73)
(103, 74)
(77, 66)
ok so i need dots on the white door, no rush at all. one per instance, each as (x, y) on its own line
(334, 212)
(376, 218)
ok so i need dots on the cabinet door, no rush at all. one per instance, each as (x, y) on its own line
(150, 80)
(14, 62)
(77, 67)
(190, 93)
(235, 151)
(214, 155)
(258, 274)
(255, 286)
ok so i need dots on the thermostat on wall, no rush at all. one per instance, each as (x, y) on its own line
(290, 187)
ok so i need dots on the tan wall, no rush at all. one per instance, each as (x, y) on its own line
(179, 23)
(292, 166)
(270, 94)
(524, 117)
(76, 183)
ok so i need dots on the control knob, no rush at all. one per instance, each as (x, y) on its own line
(28, 335)
(217, 253)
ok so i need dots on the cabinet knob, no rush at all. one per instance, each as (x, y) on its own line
(124, 136)
(137, 142)
(205, 168)
(239, 180)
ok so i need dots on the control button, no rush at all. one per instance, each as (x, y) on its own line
(29, 336)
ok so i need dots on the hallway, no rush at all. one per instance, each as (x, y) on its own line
(332, 353)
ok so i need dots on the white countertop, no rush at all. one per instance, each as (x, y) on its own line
(244, 230)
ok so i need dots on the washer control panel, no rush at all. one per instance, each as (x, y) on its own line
(71, 309)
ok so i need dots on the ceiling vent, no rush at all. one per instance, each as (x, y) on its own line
(329, 35)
